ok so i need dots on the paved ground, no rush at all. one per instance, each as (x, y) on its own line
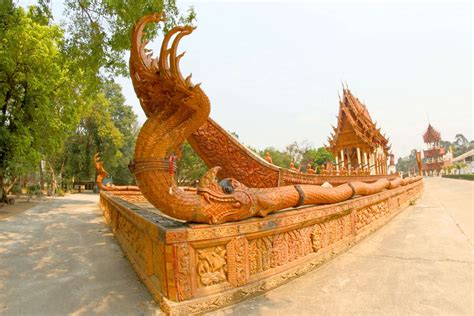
(421, 262)
(60, 258)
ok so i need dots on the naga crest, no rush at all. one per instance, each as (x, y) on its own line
(175, 108)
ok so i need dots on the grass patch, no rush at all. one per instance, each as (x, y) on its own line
(469, 177)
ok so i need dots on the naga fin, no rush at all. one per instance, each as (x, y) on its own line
(209, 178)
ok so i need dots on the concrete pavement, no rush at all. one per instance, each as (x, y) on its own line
(421, 262)
(60, 258)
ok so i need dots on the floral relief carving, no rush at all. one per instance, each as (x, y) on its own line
(347, 225)
(371, 213)
(318, 237)
(325, 234)
(290, 246)
(211, 266)
(260, 251)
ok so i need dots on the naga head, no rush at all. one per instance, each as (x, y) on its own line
(161, 88)
(227, 200)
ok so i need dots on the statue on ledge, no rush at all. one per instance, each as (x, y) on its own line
(268, 158)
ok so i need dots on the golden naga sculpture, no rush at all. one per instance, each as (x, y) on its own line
(176, 108)
(102, 174)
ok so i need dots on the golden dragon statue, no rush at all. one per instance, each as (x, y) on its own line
(102, 174)
(176, 108)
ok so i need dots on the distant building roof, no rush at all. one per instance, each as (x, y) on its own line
(354, 113)
(470, 153)
(431, 135)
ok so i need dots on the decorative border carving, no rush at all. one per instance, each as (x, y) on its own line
(237, 261)
(183, 271)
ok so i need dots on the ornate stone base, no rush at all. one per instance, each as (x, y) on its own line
(194, 268)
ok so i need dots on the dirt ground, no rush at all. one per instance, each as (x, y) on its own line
(21, 205)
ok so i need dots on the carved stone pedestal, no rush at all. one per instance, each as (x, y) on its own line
(194, 268)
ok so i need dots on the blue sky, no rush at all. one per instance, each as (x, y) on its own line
(273, 70)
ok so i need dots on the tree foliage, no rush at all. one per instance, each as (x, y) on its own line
(407, 164)
(38, 99)
(190, 166)
(59, 104)
(100, 32)
(301, 154)
(109, 127)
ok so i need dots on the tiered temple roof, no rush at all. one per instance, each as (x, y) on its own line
(355, 126)
(431, 135)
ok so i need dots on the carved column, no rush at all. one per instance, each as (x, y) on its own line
(342, 158)
(372, 163)
(358, 156)
(337, 165)
(349, 163)
(365, 160)
(377, 167)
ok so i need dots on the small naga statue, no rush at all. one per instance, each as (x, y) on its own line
(268, 158)
(102, 174)
(310, 170)
(175, 108)
(293, 168)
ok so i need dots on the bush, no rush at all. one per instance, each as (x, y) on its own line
(59, 192)
(32, 189)
(16, 189)
(460, 176)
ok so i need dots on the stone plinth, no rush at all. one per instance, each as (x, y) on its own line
(194, 268)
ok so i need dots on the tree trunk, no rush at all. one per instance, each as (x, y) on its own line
(9, 188)
(3, 197)
(41, 176)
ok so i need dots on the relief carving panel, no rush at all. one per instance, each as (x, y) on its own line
(260, 251)
(132, 235)
(211, 266)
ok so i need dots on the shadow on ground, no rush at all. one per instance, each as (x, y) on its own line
(60, 258)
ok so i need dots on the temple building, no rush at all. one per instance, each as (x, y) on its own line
(357, 143)
(433, 156)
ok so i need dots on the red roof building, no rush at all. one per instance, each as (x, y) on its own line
(433, 160)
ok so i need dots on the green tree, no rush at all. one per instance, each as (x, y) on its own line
(96, 132)
(99, 31)
(317, 157)
(279, 158)
(461, 140)
(125, 120)
(38, 92)
(408, 164)
(190, 166)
